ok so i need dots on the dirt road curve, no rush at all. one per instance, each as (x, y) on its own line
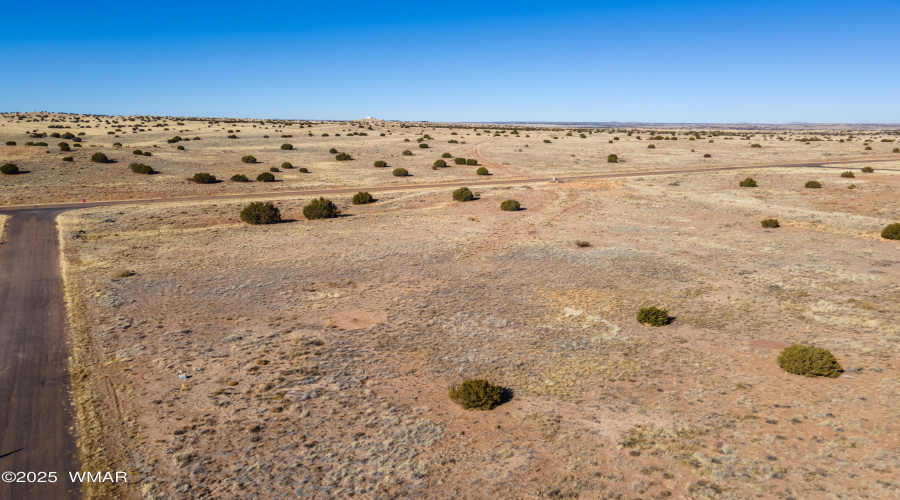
(35, 413)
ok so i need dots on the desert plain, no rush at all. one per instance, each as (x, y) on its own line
(313, 358)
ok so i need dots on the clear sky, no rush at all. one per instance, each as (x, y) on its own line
(691, 61)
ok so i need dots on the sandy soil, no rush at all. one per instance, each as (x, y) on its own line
(313, 359)
(48, 179)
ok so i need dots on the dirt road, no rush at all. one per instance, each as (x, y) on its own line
(35, 415)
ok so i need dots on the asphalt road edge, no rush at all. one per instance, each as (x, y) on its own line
(91, 427)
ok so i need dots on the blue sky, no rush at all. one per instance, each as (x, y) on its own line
(695, 61)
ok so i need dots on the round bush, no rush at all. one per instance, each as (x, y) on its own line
(651, 146)
(260, 212)
(612, 159)
(68, 158)
(287, 147)
(895, 150)
(407, 152)
(99, 157)
(362, 198)
(146, 153)
(770, 223)
(459, 161)
(749, 182)
(287, 165)
(867, 170)
(248, 159)
(440, 164)
(482, 171)
(10, 143)
(848, 174)
(471, 162)
(303, 170)
(274, 169)
(320, 209)
(64, 146)
(179, 148)
(343, 157)
(333, 150)
(423, 145)
(265, 177)
(203, 178)
(9, 169)
(476, 394)
(400, 172)
(463, 194)
(510, 206)
(240, 178)
(707, 155)
(653, 316)
(813, 185)
(809, 361)
(140, 168)
(446, 155)
(890, 232)
(232, 136)
(137, 152)
(380, 164)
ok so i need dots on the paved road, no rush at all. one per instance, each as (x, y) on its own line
(35, 411)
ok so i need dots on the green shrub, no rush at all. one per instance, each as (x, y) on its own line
(203, 178)
(320, 209)
(64, 146)
(179, 148)
(174, 139)
(867, 170)
(471, 162)
(510, 206)
(755, 145)
(749, 182)
(439, 164)
(653, 316)
(707, 155)
(459, 161)
(248, 159)
(813, 184)
(274, 169)
(146, 153)
(287, 147)
(140, 168)
(10, 143)
(423, 145)
(809, 361)
(343, 157)
(446, 155)
(651, 146)
(895, 150)
(99, 157)
(380, 164)
(260, 212)
(612, 159)
(232, 136)
(770, 223)
(482, 171)
(239, 178)
(890, 232)
(362, 198)
(400, 172)
(265, 177)
(868, 148)
(848, 174)
(303, 170)
(476, 394)
(463, 194)
(9, 169)
(333, 151)
(68, 158)
(287, 165)
(407, 152)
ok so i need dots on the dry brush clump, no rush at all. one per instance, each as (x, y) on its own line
(248, 159)
(265, 177)
(9, 169)
(809, 361)
(653, 316)
(140, 168)
(463, 194)
(362, 198)
(239, 178)
(813, 185)
(99, 157)
(260, 212)
(770, 223)
(203, 178)
(477, 394)
(510, 206)
(321, 208)
(891, 232)
(482, 171)
(748, 182)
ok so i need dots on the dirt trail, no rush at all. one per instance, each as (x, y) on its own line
(476, 151)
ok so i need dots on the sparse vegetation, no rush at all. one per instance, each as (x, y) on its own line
(260, 212)
(867, 170)
(362, 198)
(848, 174)
(749, 182)
(809, 361)
(320, 208)
(653, 316)
(891, 232)
(463, 194)
(770, 223)
(476, 394)
(343, 157)
(510, 206)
